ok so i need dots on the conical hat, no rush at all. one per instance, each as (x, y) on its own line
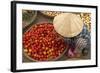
(68, 24)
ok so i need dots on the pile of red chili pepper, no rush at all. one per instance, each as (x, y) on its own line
(42, 43)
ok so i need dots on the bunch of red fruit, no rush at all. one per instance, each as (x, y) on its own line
(42, 43)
